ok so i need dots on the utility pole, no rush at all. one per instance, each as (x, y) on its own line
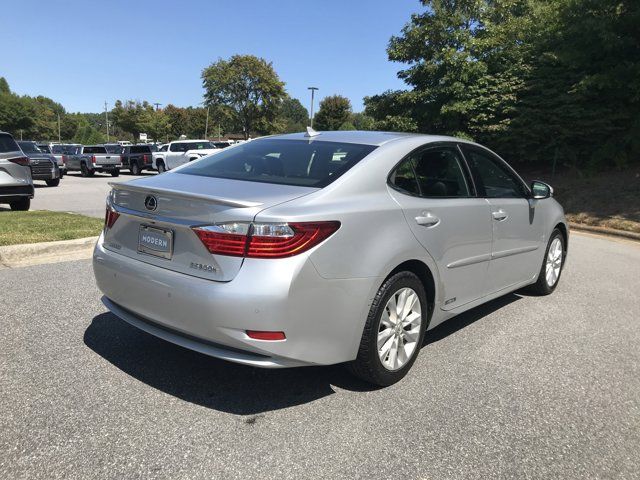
(59, 140)
(206, 125)
(313, 90)
(106, 116)
(157, 106)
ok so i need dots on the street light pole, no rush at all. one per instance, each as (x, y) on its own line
(313, 90)
(106, 117)
(206, 124)
(59, 140)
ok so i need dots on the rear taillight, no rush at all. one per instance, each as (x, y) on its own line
(24, 161)
(121, 158)
(110, 217)
(64, 159)
(93, 159)
(145, 158)
(264, 240)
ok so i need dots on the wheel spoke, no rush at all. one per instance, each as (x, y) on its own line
(383, 336)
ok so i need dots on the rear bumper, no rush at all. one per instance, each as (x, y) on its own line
(322, 319)
(11, 193)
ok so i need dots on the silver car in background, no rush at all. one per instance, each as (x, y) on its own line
(16, 185)
(324, 248)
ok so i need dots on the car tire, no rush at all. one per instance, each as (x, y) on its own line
(115, 173)
(376, 363)
(84, 171)
(53, 183)
(552, 265)
(161, 167)
(21, 205)
(134, 169)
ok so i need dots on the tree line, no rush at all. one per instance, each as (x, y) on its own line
(544, 81)
(541, 81)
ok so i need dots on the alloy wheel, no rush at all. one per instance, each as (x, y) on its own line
(554, 262)
(399, 329)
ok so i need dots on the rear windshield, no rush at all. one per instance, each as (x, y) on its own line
(8, 144)
(44, 148)
(140, 149)
(111, 149)
(94, 150)
(64, 149)
(28, 147)
(305, 163)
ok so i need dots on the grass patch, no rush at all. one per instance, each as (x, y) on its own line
(608, 199)
(44, 226)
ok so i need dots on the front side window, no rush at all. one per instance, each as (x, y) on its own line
(493, 178)
(287, 162)
(178, 147)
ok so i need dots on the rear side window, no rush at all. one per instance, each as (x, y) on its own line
(8, 144)
(29, 147)
(306, 163)
(432, 172)
(95, 150)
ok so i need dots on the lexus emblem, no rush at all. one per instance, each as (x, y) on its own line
(150, 203)
(36, 161)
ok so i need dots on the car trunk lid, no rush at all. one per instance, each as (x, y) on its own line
(164, 208)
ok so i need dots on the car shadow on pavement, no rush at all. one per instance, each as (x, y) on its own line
(465, 319)
(206, 381)
(230, 387)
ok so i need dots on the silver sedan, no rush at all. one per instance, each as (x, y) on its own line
(324, 248)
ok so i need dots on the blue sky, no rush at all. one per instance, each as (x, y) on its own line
(81, 53)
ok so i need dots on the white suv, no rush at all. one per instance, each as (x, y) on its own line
(16, 185)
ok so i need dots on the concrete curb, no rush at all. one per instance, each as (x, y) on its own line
(12, 256)
(605, 231)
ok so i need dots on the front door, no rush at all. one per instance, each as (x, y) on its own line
(434, 189)
(517, 225)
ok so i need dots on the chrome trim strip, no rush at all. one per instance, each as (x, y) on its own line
(470, 261)
(514, 251)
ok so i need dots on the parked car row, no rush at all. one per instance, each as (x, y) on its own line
(22, 162)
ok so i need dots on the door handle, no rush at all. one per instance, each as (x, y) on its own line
(500, 215)
(428, 220)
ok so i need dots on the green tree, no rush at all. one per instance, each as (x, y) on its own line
(334, 112)
(131, 116)
(293, 116)
(362, 121)
(249, 90)
(4, 85)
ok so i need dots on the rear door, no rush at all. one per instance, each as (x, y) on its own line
(517, 224)
(437, 195)
(176, 154)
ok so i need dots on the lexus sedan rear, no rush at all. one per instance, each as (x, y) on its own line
(324, 248)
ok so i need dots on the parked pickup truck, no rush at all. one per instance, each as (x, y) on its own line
(177, 153)
(92, 159)
(137, 158)
(60, 151)
(43, 165)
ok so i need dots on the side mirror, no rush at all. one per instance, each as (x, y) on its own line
(540, 190)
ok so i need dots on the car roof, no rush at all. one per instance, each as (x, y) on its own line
(364, 137)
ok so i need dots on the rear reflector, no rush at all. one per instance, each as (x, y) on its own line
(264, 240)
(271, 336)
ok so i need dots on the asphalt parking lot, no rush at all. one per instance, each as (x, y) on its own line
(77, 194)
(524, 387)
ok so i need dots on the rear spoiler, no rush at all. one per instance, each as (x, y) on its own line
(177, 193)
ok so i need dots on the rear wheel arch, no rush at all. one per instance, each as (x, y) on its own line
(423, 272)
(565, 235)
